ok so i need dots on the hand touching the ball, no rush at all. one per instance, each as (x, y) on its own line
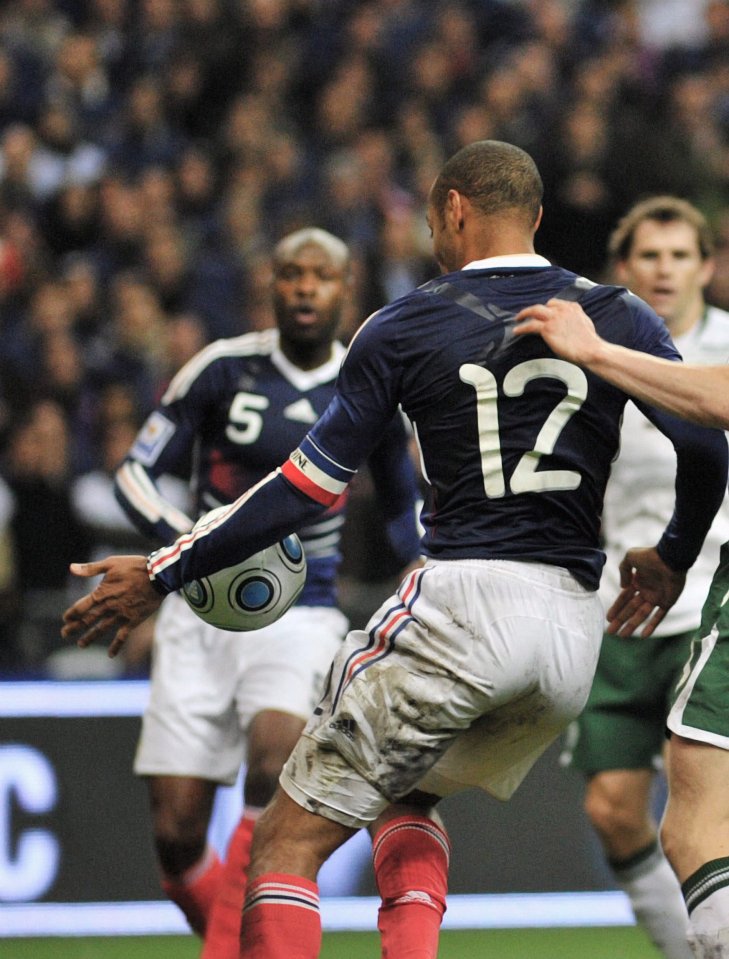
(123, 599)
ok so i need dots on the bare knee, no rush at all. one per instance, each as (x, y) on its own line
(617, 803)
(181, 810)
(290, 839)
(415, 804)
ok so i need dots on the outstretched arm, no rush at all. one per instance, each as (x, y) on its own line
(697, 393)
(122, 600)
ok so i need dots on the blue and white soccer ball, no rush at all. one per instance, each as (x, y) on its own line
(253, 593)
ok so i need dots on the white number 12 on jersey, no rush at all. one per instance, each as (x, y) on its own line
(526, 477)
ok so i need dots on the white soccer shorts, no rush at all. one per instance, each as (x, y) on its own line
(461, 679)
(208, 684)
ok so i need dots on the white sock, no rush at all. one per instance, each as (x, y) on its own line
(655, 895)
(707, 897)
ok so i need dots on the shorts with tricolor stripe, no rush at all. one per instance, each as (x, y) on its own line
(461, 679)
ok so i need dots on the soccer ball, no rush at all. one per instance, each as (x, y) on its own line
(253, 593)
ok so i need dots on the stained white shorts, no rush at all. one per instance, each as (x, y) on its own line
(208, 684)
(461, 679)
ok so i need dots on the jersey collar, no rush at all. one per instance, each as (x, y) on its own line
(507, 262)
(308, 379)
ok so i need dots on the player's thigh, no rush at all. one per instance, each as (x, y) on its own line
(698, 774)
(696, 824)
(190, 727)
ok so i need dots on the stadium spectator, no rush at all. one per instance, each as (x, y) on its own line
(38, 474)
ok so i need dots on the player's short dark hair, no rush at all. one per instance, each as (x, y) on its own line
(659, 209)
(494, 176)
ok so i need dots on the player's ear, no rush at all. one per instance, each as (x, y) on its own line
(621, 274)
(707, 271)
(454, 209)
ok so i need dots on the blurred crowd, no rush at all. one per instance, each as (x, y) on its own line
(152, 151)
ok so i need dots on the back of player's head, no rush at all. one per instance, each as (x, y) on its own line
(496, 177)
(659, 209)
(293, 243)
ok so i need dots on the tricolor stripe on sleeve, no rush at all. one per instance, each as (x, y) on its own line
(162, 558)
(315, 474)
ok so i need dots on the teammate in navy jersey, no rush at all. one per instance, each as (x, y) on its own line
(483, 656)
(230, 416)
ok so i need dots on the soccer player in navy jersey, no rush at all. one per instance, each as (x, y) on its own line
(228, 418)
(485, 654)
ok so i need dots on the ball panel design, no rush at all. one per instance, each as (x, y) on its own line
(253, 593)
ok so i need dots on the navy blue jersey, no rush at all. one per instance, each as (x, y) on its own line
(516, 443)
(228, 418)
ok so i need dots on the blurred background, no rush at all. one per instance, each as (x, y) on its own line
(153, 151)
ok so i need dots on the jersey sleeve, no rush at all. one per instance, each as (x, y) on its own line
(701, 483)
(136, 483)
(359, 416)
(396, 486)
(313, 478)
(701, 455)
(164, 446)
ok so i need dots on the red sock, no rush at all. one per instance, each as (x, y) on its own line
(410, 856)
(281, 918)
(222, 937)
(196, 889)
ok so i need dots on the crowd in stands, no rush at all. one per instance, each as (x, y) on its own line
(153, 151)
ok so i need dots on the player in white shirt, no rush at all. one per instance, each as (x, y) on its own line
(661, 250)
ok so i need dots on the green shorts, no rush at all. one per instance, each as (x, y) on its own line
(700, 708)
(623, 725)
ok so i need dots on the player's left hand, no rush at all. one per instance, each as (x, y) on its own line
(565, 328)
(649, 589)
(122, 600)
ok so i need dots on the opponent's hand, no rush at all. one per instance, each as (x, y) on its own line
(122, 600)
(564, 326)
(649, 589)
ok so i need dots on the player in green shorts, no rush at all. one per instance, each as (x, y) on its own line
(695, 827)
(661, 250)
(700, 707)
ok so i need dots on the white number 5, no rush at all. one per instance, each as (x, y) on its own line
(526, 478)
(245, 420)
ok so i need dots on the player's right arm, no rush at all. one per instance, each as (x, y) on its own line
(311, 480)
(162, 445)
(696, 393)
(165, 446)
